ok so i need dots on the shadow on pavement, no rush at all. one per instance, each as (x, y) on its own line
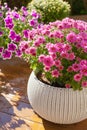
(14, 75)
(8, 121)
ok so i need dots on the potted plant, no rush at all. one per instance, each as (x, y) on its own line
(57, 53)
(57, 87)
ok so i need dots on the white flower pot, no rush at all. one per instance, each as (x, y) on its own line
(58, 105)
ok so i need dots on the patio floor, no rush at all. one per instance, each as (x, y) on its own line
(15, 110)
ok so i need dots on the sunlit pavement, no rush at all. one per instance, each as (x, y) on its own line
(15, 110)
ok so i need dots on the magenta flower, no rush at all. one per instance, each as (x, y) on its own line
(46, 69)
(60, 47)
(81, 27)
(7, 54)
(71, 56)
(67, 85)
(31, 35)
(32, 51)
(33, 22)
(18, 53)
(1, 49)
(17, 38)
(75, 67)
(55, 73)
(58, 34)
(10, 26)
(25, 32)
(71, 37)
(52, 48)
(15, 15)
(45, 32)
(84, 70)
(41, 58)
(41, 39)
(35, 14)
(24, 11)
(12, 35)
(37, 43)
(67, 47)
(51, 35)
(64, 55)
(66, 24)
(84, 84)
(53, 55)
(61, 67)
(77, 77)
(23, 46)
(48, 61)
(83, 62)
(12, 47)
(70, 69)
(57, 63)
(1, 33)
(23, 8)
(8, 20)
(27, 51)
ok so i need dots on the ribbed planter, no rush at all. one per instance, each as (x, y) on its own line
(58, 105)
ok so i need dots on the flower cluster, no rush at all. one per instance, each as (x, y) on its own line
(14, 27)
(58, 51)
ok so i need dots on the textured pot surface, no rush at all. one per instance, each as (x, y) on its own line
(58, 105)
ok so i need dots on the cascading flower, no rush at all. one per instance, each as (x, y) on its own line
(12, 47)
(7, 54)
(14, 27)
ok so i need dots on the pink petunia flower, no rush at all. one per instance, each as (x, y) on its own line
(70, 69)
(77, 77)
(46, 68)
(52, 48)
(75, 67)
(32, 51)
(84, 70)
(41, 58)
(57, 63)
(55, 73)
(61, 67)
(67, 85)
(71, 56)
(71, 37)
(48, 61)
(84, 84)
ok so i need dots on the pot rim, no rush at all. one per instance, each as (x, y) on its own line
(50, 86)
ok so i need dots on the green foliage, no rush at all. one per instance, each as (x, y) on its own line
(50, 10)
(77, 7)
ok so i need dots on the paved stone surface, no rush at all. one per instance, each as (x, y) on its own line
(15, 110)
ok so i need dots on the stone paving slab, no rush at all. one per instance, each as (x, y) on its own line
(15, 110)
(9, 122)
